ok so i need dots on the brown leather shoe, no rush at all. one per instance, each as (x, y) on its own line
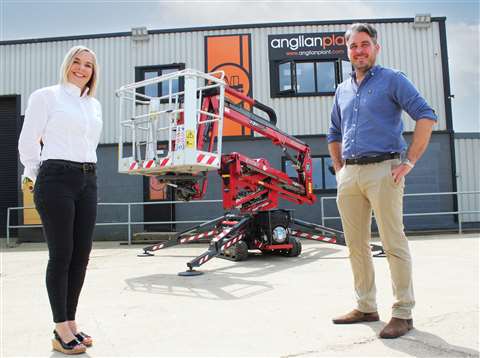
(397, 327)
(355, 317)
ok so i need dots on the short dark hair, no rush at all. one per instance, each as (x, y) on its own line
(362, 27)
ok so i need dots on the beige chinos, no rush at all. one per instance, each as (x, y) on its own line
(362, 188)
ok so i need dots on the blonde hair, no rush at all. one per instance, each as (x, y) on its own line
(68, 62)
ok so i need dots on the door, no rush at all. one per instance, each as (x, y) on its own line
(9, 131)
(154, 191)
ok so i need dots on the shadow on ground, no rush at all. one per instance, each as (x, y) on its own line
(239, 280)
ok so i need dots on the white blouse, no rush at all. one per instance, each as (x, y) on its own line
(69, 126)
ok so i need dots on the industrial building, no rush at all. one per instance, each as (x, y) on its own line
(292, 67)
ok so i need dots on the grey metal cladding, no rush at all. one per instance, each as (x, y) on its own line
(28, 66)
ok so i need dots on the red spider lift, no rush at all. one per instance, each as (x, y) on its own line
(251, 188)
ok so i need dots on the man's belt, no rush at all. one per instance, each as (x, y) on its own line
(372, 159)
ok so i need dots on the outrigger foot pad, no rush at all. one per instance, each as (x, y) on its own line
(145, 254)
(377, 250)
(190, 272)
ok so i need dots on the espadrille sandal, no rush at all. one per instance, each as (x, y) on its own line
(84, 338)
(72, 347)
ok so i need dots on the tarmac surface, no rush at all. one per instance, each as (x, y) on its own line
(267, 306)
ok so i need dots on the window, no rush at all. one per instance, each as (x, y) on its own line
(323, 175)
(325, 74)
(308, 78)
(305, 72)
(285, 77)
(160, 89)
(346, 69)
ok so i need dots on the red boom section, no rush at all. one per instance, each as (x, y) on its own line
(253, 184)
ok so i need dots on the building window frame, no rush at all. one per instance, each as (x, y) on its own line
(140, 72)
(326, 163)
(341, 68)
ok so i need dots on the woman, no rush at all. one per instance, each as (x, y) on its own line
(57, 148)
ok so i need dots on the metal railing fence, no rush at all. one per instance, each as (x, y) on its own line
(129, 223)
(458, 212)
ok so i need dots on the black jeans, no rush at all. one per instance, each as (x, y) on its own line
(66, 198)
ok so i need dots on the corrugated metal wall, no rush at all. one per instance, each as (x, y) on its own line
(26, 67)
(467, 153)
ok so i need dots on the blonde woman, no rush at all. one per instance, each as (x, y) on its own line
(57, 147)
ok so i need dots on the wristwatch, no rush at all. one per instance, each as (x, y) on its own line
(407, 161)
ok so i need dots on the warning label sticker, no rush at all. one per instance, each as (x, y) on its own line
(180, 138)
(190, 138)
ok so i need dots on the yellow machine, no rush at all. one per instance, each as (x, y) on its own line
(30, 214)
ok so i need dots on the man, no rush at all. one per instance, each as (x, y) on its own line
(371, 161)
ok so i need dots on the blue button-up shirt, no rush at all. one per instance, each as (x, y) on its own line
(366, 119)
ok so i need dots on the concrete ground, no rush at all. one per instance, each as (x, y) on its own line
(262, 307)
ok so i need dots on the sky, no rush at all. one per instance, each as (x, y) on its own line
(21, 19)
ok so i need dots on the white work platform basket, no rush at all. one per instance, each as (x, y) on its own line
(160, 119)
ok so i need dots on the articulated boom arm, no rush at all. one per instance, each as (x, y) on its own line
(253, 184)
(177, 137)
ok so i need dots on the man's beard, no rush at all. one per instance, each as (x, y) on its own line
(366, 66)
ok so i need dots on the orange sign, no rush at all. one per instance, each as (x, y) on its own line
(231, 54)
(157, 191)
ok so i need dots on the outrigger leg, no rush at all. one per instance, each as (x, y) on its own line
(203, 230)
(228, 236)
(329, 235)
